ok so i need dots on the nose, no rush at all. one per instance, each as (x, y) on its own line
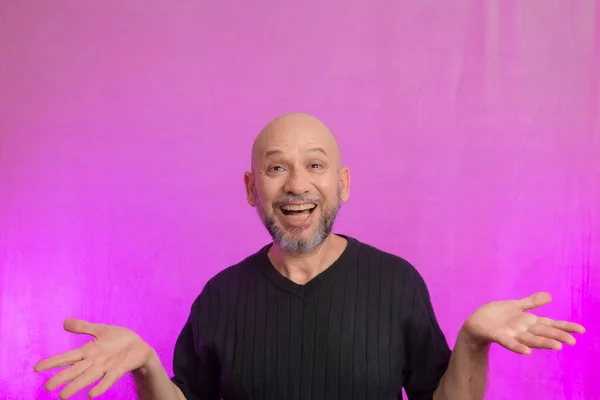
(298, 182)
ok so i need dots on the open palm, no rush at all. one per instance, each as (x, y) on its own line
(508, 324)
(113, 352)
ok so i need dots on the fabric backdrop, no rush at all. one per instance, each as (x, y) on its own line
(471, 128)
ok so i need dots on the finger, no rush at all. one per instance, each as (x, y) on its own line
(552, 333)
(106, 383)
(80, 326)
(538, 342)
(566, 326)
(67, 375)
(90, 376)
(59, 361)
(535, 300)
(514, 345)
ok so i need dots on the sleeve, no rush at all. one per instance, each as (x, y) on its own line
(428, 354)
(195, 364)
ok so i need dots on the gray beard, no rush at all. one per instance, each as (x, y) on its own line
(287, 240)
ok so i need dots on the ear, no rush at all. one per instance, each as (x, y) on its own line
(250, 188)
(345, 183)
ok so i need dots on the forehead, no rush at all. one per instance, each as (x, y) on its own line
(293, 144)
(295, 138)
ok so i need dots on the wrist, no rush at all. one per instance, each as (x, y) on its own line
(472, 343)
(151, 366)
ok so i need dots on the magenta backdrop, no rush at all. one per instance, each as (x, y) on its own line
(472, 129)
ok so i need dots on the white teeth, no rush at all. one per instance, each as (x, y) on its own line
(297, 207)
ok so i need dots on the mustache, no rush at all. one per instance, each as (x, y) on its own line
(297, 199)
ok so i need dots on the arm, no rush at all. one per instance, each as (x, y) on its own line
(195, 366)
(116, 351)
(505, 323)
(152, 382)
(466, 376)
(427, 353)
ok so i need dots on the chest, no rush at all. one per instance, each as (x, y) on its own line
(344, 344)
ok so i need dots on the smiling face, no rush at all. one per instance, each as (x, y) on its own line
(297, 183)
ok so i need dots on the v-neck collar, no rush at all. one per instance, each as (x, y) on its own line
(312, 286)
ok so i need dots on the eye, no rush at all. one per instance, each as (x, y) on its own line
(276, 168)
(315, 165)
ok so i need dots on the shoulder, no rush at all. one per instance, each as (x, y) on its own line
(399, 267)
(229, 278)
(242, 270)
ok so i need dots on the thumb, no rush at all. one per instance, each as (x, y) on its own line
(80, 326)
(535, 300)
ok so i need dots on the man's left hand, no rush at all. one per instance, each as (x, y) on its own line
(508, 324)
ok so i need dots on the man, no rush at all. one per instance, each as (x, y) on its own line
(313, 315)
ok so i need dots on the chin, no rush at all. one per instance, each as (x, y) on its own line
(299, 246)
(307, 241)
(297, 239)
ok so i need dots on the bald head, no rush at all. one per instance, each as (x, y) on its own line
(297, 181)
(295, 131)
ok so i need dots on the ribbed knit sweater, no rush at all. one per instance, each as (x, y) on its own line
(362, 329)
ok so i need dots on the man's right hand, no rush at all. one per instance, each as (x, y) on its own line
(113, 352)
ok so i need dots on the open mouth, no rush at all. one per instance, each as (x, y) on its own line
(297, 209)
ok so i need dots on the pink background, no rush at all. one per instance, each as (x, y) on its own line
(472, 129)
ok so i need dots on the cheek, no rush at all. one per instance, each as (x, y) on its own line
(264, 197)
(266, 206)
(329, 191)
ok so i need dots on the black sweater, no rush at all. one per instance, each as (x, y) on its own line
(362, 329)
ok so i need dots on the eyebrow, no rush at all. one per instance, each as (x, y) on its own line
(270, 153)
(316, 149)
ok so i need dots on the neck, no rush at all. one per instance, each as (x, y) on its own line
(301, 268)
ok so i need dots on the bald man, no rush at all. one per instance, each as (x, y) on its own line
(312, 315)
